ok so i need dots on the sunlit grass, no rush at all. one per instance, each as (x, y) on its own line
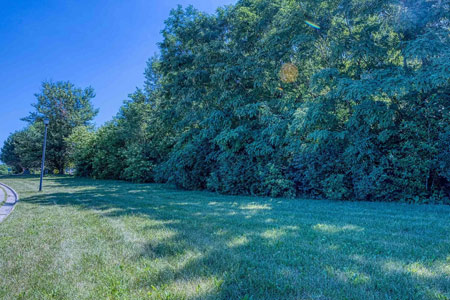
(85, 239)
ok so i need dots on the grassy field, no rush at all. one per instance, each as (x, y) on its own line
(85, 239)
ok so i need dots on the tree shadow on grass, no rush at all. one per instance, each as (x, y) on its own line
(272, 249)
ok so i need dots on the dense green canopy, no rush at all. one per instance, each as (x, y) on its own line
(256, 100)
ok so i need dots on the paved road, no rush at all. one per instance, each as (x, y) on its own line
(11, 200)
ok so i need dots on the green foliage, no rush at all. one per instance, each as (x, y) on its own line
(129, 147)
(4, 170)
(67, 107)
(366, 118)
(23, 149)
(81, 150)
(107, 162)
(8, 154)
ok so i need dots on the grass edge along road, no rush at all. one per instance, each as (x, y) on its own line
(3, 195)
(86, 239)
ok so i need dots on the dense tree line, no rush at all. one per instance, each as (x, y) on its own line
(344, 99)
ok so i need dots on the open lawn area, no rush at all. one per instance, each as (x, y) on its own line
(86, 239)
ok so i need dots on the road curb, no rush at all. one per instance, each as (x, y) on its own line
(11, 200)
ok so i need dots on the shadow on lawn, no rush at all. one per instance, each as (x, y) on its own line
(276, 247)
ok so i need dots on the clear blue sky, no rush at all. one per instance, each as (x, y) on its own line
(104, 44)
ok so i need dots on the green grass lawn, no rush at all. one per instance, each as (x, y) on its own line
(3, 195)
(85, 239)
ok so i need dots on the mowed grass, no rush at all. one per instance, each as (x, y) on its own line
(3, 195)
(86, 239)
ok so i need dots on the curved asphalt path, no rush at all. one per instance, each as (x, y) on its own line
(11, 200)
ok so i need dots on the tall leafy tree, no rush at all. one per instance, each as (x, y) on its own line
(67, 107)
(22, 150)
(9, 155)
